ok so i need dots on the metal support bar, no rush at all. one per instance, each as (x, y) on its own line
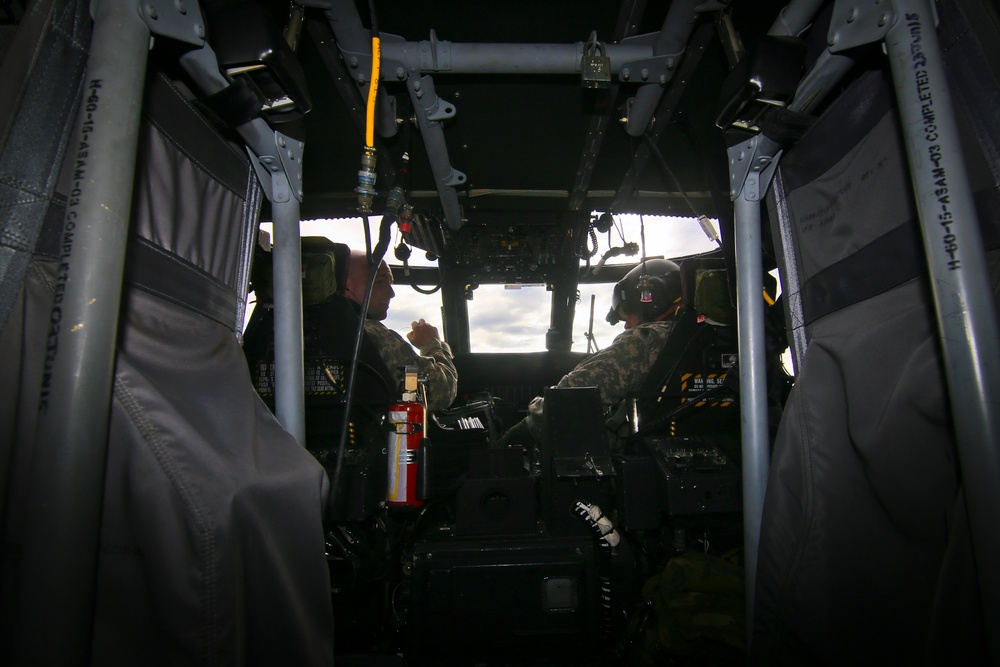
(659, 53)
(58, 560)
(289, 370)
(821, 80)
(752, 166)
(828, 69)
(437, 56)
(352, 36)
(795, 17)
(429, 110)
(354, 98)
(963, 298)
(673, 38)
(601, 114)
(664, 115)
(559, 337)
(279, 167)
(283, 167)
(455, 313)
(355, 44)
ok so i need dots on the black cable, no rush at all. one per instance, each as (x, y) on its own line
(368, 240)
(403, 175)
(620, 229)
(374, 18)
(384, 236)
(604, 567)
(433, 290)
(593, 239)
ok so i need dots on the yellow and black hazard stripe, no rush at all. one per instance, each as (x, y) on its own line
(711, 381)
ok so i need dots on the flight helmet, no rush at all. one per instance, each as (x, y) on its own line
(650, 289)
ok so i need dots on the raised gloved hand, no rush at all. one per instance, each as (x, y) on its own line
(422, 333)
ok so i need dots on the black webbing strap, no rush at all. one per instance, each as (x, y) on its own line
(652, 424)
(160, 272)
(167, 107)
(41, 78)
(687, 330)
(235, 104)
(890, 260)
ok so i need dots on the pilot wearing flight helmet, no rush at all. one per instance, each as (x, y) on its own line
(647, 299)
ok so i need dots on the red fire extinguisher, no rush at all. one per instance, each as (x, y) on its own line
(407, 423)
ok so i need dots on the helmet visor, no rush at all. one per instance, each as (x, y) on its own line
(615, 315)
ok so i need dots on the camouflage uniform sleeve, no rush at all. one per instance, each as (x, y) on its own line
(442, 378)
(617, 370)
(620, 368)
(434, 362)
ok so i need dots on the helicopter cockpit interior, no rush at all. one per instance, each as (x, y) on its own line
(186, 482)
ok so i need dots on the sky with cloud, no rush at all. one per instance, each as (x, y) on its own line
(507, 319)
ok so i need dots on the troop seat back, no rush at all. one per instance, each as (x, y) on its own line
(686, 392)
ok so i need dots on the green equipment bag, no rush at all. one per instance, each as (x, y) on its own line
(698, 613)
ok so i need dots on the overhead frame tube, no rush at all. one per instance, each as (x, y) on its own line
(58, 562)
(497, 58)
(963, 299)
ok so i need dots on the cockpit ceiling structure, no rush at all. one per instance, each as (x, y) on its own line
(560, 106)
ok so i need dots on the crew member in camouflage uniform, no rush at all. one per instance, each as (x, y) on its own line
(435, 359)
(620, 369)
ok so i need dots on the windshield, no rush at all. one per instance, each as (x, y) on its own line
(515, 318)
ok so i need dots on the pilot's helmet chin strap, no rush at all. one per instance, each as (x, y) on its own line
(672, 311)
